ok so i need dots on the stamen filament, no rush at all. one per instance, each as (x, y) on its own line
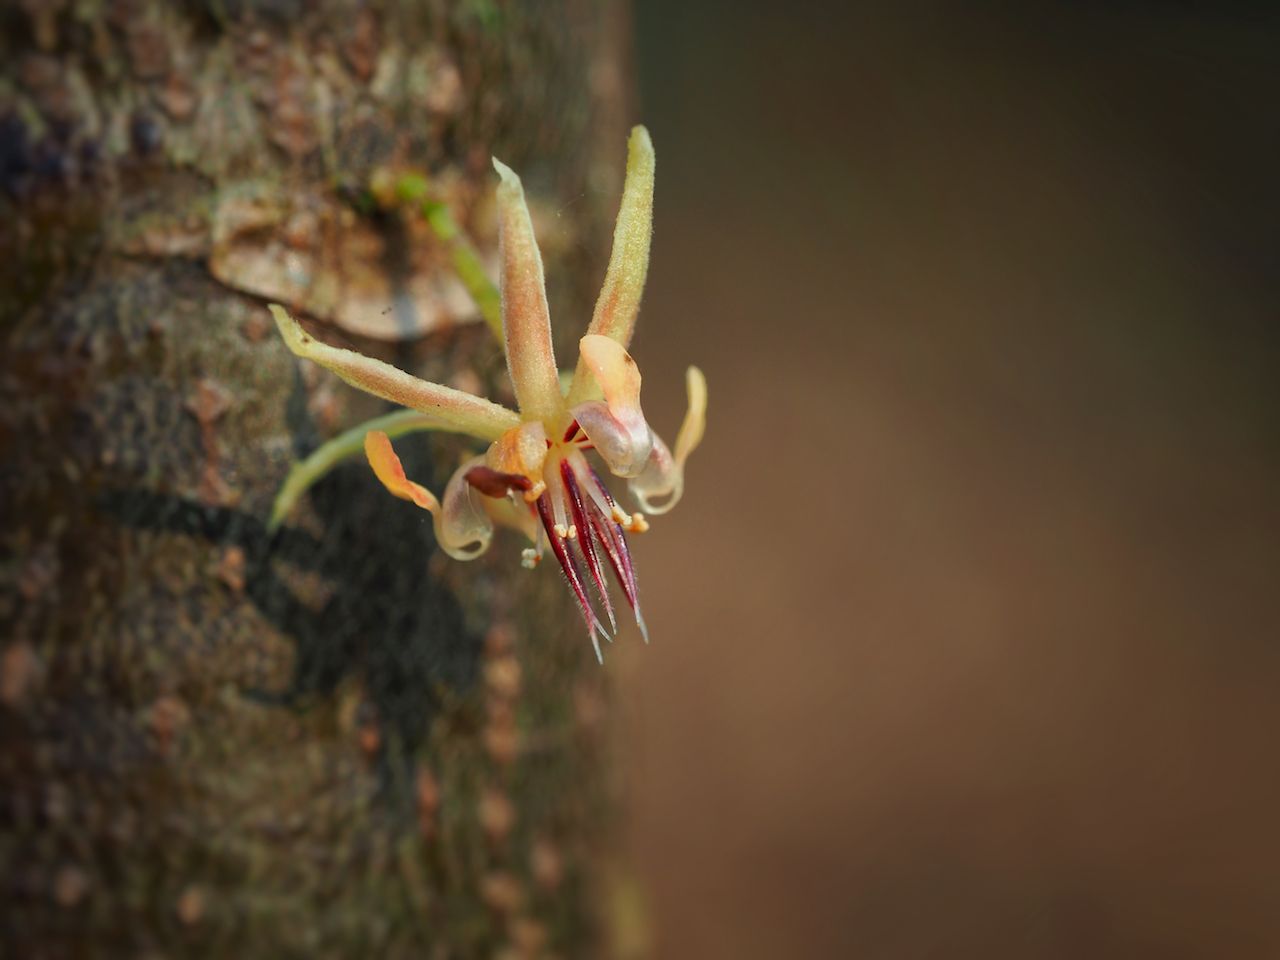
(609, 534)
(560, 526)
(586, 542)
(570, 568)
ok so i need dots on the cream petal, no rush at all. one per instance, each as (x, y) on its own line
(624, 444)
(613, 369)
(663, 476)
(463, 529)
(660, 479)
(453, 409)
(619, 302)
(617, 426)
(526, 320)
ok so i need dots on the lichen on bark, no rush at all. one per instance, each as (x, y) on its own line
(320, 741)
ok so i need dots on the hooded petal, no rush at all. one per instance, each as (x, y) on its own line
(625, 447)
(525, 317)
(463, 528)
(619, 302)
(663, 476)
(522, 451)
(616, 426)
(453, 409)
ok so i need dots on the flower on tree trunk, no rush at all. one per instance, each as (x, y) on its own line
(535, 476)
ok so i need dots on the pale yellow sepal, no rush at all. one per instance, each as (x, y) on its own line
(455, 409)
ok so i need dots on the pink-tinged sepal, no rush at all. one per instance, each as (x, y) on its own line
(526, 321)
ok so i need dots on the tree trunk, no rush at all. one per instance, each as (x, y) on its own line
(328, 740)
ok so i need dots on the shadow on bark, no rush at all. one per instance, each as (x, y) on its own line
(386, 620)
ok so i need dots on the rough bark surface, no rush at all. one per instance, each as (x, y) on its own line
(327, 741)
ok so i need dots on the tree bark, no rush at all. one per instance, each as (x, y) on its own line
(216, 740)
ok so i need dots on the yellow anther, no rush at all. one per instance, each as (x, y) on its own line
(621, 516)
(561, 531)
(573, 531)
(638, 523)
(529, 558)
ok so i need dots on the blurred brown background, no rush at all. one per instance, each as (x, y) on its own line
(965, 635)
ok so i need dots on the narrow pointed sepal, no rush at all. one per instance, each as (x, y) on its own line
(453, 409)
(526, 320)
(619, 303)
